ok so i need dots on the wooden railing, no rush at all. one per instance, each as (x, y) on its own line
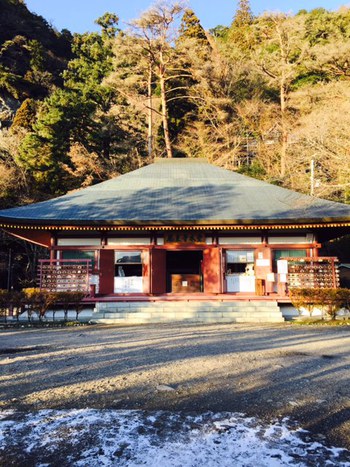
(61, 275)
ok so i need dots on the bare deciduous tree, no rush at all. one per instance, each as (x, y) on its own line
(282, 50)
(322, 135)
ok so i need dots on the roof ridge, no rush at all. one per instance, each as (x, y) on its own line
(160, 160)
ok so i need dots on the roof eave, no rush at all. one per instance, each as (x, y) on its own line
(9, 222)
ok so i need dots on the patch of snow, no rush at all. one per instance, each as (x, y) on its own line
(165, 388)
(6, 413)
(87, 438)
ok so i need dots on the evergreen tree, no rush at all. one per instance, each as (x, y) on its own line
(25, 115)
(191, 27)
(64, 117)
(243, 16)
(240, 35)
(154, 29)
(242, 93)
(75, 114)
(193, 51)
(109, 24)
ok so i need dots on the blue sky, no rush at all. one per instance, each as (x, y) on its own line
(79, 15)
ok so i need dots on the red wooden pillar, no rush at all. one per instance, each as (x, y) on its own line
(158, 271)
(146, 271)
(212, 270)
(106, 272)
(53, 243)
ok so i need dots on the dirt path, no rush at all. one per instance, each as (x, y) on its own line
(267, 371)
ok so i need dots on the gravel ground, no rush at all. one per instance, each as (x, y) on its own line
(269, 371)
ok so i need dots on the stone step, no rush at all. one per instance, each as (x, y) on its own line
(206, 312)
(189, 320)
(184, 314)
(178, 305)
(244, 312)
(121, 307)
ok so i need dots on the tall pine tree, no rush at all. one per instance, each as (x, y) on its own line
(191, 27)
(240, 33)
(244, 15)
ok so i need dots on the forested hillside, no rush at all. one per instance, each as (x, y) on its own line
(267, 95)
(32, 57)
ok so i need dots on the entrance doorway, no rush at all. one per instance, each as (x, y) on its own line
(184, 271)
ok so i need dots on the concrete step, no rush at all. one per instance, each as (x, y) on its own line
(238, 304)
(164, 319)
(211, 306)
(192, 310)
(206, 312)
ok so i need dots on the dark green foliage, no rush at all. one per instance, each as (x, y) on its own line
(65, 117)
(68, 116)
(32, 54)
(212, 84)
(15, 55)
(12, 84)
(78, 114)
(219, 32)
(309, 78)
(92, 62)
(181, 109)
(16, 19)
(322, 26)
(108, 23)
(255, 170)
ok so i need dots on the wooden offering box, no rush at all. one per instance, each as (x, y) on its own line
(185, 283)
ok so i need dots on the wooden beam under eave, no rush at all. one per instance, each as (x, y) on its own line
(39, 237)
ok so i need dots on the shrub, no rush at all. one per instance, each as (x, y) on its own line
(38, 301)
(4, 303)
(12, 301)
(333, 300)
(18, 301)
(328, 299)
(303, 298)
(68, 299)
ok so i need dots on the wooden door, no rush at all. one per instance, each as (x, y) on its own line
(158, 271)
(212, 270)
(106, 271)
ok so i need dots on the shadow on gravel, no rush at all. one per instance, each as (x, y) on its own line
(269, 372)
(15, 350)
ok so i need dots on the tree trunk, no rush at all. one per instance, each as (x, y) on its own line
(150, 113)
(165, 112)
(284, 130)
